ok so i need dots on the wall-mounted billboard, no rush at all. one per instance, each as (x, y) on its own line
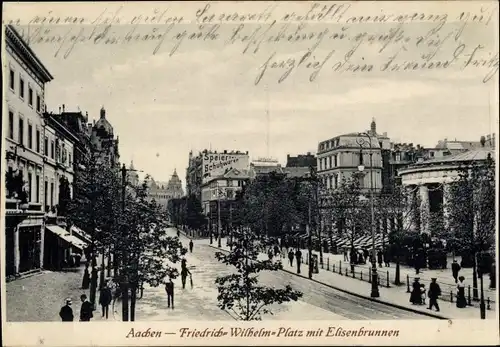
(217, 164)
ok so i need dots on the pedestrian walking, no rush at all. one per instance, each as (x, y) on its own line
(66, 312)
(386, 258)
(191, 245)
(291, 255)
(169, 288)
(433, 294)
(86, 309)
(105, 298)
(455, 269)
(298, 256)
(379, 258)
(345, 255)
(86, 277)
(184, 274)
(461, 301)
(416, 293)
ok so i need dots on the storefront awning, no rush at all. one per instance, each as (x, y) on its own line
(80, 234)
(63, 234)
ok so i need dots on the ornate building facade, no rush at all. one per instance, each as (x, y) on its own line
(162, 192)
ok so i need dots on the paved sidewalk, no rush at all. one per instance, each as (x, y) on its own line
(394, 296)
(39, 298)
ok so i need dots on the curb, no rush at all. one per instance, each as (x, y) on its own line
(429, 314)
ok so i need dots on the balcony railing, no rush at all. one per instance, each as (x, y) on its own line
(56, 220)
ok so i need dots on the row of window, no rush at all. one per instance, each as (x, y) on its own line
(34, 192)
(55, 152)
(229, 183)
(323, 162)
(21, 85)
(329, 144)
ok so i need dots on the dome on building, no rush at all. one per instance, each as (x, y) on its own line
(103, 124)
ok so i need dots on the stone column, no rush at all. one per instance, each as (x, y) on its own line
(17, 255)
(407, 214)
(424, 208)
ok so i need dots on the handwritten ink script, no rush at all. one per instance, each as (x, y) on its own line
(322, 39)
(281, 332)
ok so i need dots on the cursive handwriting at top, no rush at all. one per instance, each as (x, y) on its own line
(318, 40)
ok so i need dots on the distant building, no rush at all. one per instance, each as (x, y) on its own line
(132, 176)
(104, 142)
(162, 192)
(208, 164)
(302, 160)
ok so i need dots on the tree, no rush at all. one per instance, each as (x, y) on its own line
(195, 218)
(240, 294)
(349, 211)
(404, 205)
(471, 213)
(95, 208)
(270, 205)
(151, 254)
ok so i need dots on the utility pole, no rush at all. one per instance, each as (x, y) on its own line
(124, 274)
(309, 240)
(218, 218)
(231, 225)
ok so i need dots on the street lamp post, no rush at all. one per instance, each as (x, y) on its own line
(374, 281)
(219, 244)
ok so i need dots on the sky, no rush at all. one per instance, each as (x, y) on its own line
(204, 95)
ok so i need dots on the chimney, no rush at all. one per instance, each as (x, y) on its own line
(59, 109)
(64, 108)
(103, 113)
(94, 121)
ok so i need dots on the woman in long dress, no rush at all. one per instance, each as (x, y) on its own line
(461, 301)
(416, 293)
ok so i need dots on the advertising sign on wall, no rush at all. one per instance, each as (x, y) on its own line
(217, 164)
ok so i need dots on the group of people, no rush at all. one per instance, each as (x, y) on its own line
(169, 285)
(295, 255)
(357, 257)
(418, 294)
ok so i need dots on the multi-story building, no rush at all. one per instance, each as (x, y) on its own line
(208, 164)
(162, 192)
(104, 142)
(302, 160)
(24, 131)
(340, 157)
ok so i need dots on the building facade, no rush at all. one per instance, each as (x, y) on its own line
(429, 180)
(340, 157)
(24, 130)
(208, 164)
(163, 192)
(104, 142)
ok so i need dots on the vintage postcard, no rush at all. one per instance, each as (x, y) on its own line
(238, 173)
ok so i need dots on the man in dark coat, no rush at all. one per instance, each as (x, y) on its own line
(291, 255)
(433, 294)
(169, 288)
(86, 309)
(387, 258)
(105, 299)
(66, 312)
(379, 258)
(191, 245)
(298, 256)
(455, 269)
